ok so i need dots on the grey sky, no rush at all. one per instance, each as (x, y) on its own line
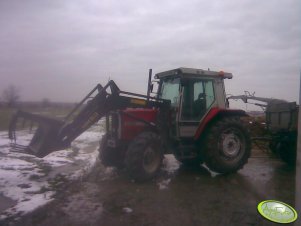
(61, 49)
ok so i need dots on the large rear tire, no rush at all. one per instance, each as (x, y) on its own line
(228, 146)
(144, 156)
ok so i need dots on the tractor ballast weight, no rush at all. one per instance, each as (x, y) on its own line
(188, 116)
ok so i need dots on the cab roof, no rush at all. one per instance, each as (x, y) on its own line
(192, 72)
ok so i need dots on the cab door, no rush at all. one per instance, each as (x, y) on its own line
(197, 97)
(170, 90)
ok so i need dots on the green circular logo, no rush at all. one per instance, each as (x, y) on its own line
(276, 211)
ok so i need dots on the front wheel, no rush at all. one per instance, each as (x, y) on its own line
(228, 146)
(110, 156)
(144, 156)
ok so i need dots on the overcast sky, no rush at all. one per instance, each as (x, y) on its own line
(61, 49)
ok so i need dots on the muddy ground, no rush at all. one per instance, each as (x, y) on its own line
(184, 196)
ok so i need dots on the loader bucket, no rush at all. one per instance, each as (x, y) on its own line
(44, 132)
(51, 134)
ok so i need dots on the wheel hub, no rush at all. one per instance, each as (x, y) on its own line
(231, 145)
(151, 160)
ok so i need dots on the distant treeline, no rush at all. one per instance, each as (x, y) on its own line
(38, 104)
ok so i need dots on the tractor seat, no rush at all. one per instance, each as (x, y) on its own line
(199, 106)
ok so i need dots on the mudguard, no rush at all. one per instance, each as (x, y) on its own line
(215, 113)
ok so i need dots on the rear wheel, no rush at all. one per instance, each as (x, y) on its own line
(110, 156)
(287, 151)
(273, 146)
(144, 156)
(228, 146)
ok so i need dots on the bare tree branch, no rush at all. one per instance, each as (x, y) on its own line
(11, 95)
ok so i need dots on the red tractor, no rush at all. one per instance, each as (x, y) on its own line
(187, 116)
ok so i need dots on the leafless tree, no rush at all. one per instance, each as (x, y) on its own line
(11, 95)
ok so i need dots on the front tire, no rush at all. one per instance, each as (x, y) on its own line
(228, 146)
(144, 156)
(110, 156)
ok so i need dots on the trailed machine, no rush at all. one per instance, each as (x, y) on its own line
(281, 125)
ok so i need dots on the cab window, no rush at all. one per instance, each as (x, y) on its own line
(170, 90)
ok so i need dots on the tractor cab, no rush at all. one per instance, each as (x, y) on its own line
(192, 92)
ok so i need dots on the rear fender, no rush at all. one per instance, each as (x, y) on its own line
(215, 114)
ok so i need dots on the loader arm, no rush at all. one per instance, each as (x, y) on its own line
(248, 96)
(54, 134)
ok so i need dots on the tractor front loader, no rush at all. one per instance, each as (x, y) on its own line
(53, 134)
(187, 116)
